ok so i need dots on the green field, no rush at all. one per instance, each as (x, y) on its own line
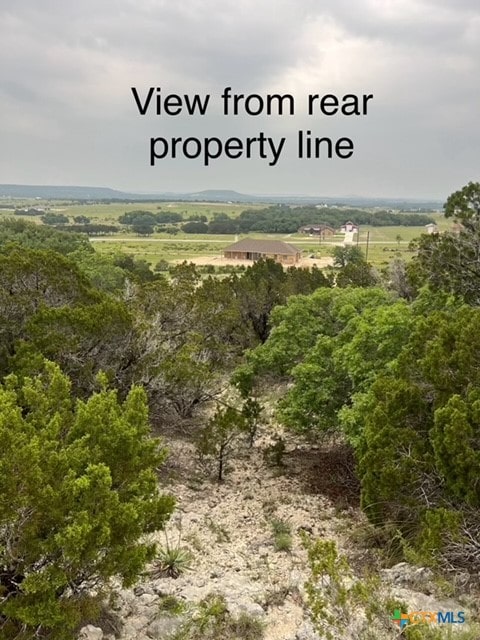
(156, 248)
(384, 243)
(108, 213)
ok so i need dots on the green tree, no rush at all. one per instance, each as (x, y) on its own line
(305, 281)
(327, 594)
(138, 217)
(223, 226)
(54, 218)
(191, 333)
(319, 391)
(464, 204)
(138, 269)
(100, 270)
(356, 275)
(324, 348)
(394, 455)
(417, 438)
(343, 256)
(143, 228)
(371, 340)
(31, 279)
(176, 358)
(82, 219)
(456, 446)
(251, 411)
(352, 269)
(184, 379)
(259, 290)
(451, 261)
(78, 493)
(35, 236)
(217, 315)
(195, 227)
(217, 439)
(83, 340)
(397, 279)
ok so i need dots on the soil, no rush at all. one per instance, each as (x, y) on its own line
(220, 261)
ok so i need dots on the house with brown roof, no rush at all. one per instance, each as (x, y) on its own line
(321, 230)
(250, 249)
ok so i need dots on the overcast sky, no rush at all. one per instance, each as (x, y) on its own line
(68, 115)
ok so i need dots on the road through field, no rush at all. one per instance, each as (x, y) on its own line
(147, 239)
(310, 242)
(193, 240)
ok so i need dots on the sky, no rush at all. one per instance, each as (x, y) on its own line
(68, 116)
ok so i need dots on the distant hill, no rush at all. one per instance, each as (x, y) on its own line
(44, 192)
(60, 193)
(220, 195)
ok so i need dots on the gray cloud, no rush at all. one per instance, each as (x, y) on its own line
(68, 116)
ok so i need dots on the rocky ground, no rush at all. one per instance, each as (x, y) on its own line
(228, 530)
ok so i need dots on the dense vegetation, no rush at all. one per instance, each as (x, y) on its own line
(283, 219)
(94, 351)
(86, 344)
(77, 492)
(288, 220)
(400, 381)
(272, 219)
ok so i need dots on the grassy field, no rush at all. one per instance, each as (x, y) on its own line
(381, 248)
(185, 246)
(108, 213)
(155, 249)
(384, 243)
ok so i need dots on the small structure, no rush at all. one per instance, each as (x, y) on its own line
(431, 228)
(250, 249)
(321, 230)
(349, 227)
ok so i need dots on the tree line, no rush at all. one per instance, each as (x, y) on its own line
(273, 219)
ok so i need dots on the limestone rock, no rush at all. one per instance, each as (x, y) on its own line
(148, 599)
(90, 633)
(307, 632)
(164, 627)
(246, 606)
(406, 575)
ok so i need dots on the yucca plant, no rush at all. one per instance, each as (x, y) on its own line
(172, 560)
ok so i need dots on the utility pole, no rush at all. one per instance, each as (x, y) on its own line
(366, 250)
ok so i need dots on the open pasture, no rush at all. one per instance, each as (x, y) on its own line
(384, 243)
